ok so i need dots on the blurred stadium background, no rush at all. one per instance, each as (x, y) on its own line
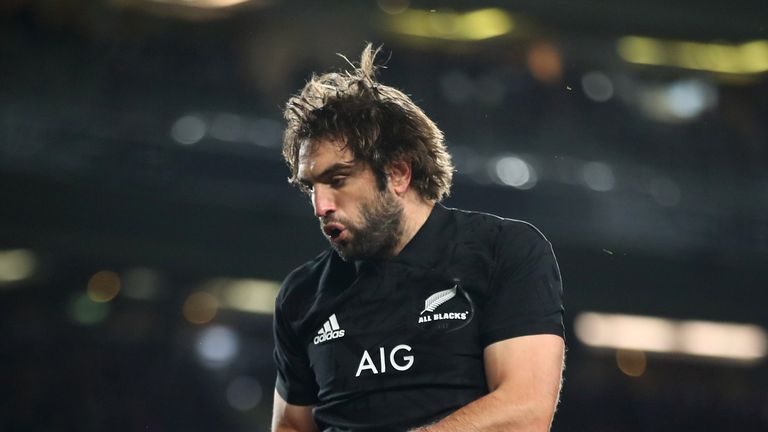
(145, 218)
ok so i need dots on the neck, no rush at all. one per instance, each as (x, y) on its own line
(416, 210)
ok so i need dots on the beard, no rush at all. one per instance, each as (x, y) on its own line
(379, 232)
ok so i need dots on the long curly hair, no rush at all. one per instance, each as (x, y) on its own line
(379, 124)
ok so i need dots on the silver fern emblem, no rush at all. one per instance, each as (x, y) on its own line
(439, 298)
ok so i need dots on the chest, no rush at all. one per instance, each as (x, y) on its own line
(397, 327)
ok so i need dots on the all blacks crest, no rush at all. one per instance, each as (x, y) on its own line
(447, 309)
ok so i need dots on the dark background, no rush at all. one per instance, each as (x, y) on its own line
(142, 138)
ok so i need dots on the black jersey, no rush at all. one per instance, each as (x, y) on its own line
(398, 343)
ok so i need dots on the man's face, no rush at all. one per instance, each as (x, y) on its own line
(359, 220)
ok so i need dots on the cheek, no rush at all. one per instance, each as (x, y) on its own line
(353, 211)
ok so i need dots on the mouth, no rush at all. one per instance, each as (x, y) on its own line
(334, 231)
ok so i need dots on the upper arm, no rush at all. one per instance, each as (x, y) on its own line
(295, 378)
(522, 325)
(291, 418)
(525, 291)
(527, 370)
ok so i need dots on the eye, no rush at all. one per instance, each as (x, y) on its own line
(337, 182)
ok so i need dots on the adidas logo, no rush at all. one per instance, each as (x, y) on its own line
(330, 330)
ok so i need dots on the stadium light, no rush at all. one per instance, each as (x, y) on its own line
(743, 59)
(473, 25)
(204, 4)
(246, 295)
(719, 341)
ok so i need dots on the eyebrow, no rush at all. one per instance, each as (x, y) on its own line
(328, 172)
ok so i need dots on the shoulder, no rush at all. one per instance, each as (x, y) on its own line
(301, 284)
(510, 246)
(499, 229)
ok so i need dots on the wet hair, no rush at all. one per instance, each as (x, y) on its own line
(379, 124)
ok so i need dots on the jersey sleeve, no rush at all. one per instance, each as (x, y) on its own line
(295, 380)
(525, 296)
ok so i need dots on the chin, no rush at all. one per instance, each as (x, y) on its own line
(342, 251)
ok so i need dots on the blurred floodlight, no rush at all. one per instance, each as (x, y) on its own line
(682, 100)
(251, 295)
(205, 4)
(16, 265)
(217, 346)
(725, 341)
(745, 58)
(665, 191)
(103, 286)
(631, 362)
(515, 172)
(247, 295)
(227, 127)
(687, 99)
(200, 307)
(707, 339)
(545, 62)
(393, 7)
(244, 393)
(141, 283)
(188, 129)
(85, 311)
(625, 332)
(457, 87)
(597, 86)
(264, 132)
(598, 176)
(457, 26)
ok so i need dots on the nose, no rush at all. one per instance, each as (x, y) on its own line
(322, 201)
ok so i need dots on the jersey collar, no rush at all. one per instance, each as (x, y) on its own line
(428, 246)
(431, 242)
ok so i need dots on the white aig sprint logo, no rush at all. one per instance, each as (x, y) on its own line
(330, 330)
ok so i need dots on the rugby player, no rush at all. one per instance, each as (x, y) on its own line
(418, 317)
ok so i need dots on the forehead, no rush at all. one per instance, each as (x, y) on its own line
(316, 155)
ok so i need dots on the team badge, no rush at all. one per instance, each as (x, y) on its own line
(448, 309)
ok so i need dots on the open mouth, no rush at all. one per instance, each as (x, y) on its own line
(333, 231)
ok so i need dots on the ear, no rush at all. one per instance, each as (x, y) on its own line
(399, 176)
